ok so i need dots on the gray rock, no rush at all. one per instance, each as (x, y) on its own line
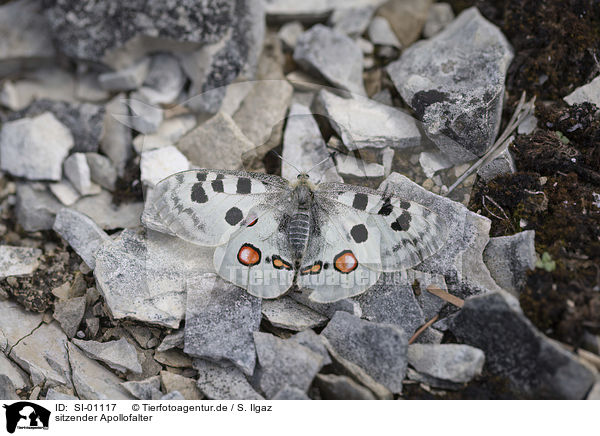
(348, 368)
(103, 33)
(7, 388)
(116, 140)
(311, 11)
(234, 56)
(430, 336)
(314, 342)
(340, 387)
(51, 83)
(26, 40)
(119, 355)
(460, 260)
(35, 148)
(406, 17)
(327, 309)
(168, 133)
(164, 81)
(92, 381)
(53, 394)
(288, 314)
(361, 122)
(171, 341)
(289, 34)
(158, 164)
(331, 55)
(65, 192)
(142, 282)
(84, 120)
(349, 166)
(594, 392)
(145, 118)
(380, 33)
(36, 208)
(126, 79)
(101, 209)
(589, 93)
(502, 163)
(77, 171)
(515, 349)
(186, 386)
(69, 314)
(455, 83)
(290, 393)
(509, 258)
(148, 389)
(220, 319)
(218, 382)
(440, 15)
(88, 88)
(304, 147)
(217, 143)
(528, 125)
(172, 396)
(450, 362)
(284, 363)
(433, 161)
(142, 334)
(102, 170)
(43, 355)
(16, 375)
(264, 127)
(392, 301)
(351, 21)
(358, 340)
(18, 261)
(173, 358)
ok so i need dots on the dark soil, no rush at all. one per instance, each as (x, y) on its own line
(556, 42)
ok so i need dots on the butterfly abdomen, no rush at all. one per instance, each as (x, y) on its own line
(298, 232)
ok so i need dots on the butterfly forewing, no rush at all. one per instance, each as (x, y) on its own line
(205, 206)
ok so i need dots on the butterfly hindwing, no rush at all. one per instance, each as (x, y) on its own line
(206, 206)
(341, 259)
(257, 256)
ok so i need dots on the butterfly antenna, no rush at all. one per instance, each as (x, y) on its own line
(322, 162)
(287, 162)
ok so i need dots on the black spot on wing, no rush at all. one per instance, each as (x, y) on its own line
(201, 177)
(404, 204)
(243, 185)
(360, 201)
(217, 185)
(233, 216)
(402, 223)
(386, 208)
(359, 233)
(198, 194)
(220, 176)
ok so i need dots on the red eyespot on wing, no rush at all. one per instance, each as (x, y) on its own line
(279, 263)
(249, 255)
(345, 262)
(315, 268)
(251, 223)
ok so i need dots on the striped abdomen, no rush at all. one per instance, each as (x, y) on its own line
(298, 230)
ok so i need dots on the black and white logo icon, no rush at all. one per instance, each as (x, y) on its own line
(26, 415)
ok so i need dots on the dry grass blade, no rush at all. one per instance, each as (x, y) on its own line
(422, 329)
(521, 112)
(452, 299)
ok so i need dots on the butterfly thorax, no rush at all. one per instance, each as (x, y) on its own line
(299, 228)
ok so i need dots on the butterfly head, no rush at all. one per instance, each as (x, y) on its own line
(303, 177)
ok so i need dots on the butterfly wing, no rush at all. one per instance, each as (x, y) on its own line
(343, 255)
(206, 207)
(410, 232)
(257, 256)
